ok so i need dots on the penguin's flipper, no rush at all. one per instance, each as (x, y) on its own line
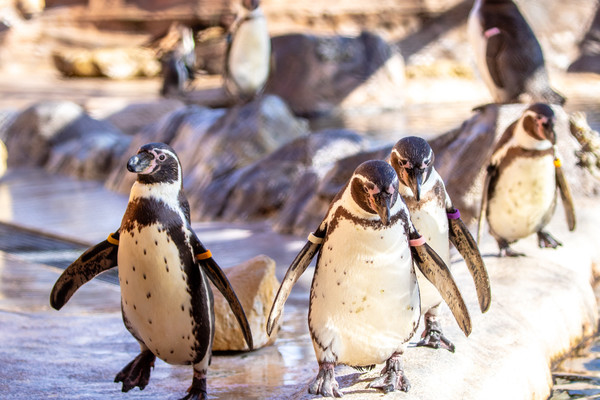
(292, 275)
(467, 247)
(218, 278)
(567, 198)
(92, 262)
(491, 171)
(494, 47)
(436, 271)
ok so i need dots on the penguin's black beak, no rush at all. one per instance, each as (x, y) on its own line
(416, 179)
(382, 203)
(140, 162)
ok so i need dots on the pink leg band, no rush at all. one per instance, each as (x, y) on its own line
(420, 241)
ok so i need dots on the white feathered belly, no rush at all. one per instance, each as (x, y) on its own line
(249, 56)
(432, 222)
(523, 195)
(364, 298)
(154, 294)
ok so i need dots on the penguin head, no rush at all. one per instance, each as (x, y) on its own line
(250, 4)
(538, 122)
(155, 163)
(412, 158)
(374, 187)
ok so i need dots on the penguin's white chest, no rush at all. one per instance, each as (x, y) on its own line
(364, 301)
(431, 221)
(154, 292)
(523, 196)
(249, 55)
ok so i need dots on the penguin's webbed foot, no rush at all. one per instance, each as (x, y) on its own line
(546, 240)
(137, 372)
(392, 376)
(506, 251)
(434, 338)
(325, 383)
(198, 389)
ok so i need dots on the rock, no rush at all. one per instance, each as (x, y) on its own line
(263, 188)
(239, 138)
(255, 284)
(89, 157)
(61, 137)
(109, 62)
(589, 48)
(462, 155)
(191, 120)
(317, 74)
(30, 8)
(134, 117)
(75, 62)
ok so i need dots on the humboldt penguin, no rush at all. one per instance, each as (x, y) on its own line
(248, 56)
(179, 63)
(166, 301)
(434, 216)
(508, 55)
(521, 181)
(364, 297)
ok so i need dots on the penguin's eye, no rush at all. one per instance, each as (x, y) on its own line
(162, 157)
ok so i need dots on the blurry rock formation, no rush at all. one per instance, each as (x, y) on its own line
(316, 74)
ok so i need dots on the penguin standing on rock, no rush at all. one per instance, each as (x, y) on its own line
(434, 216)
(166, 300)
(508, 54)
(522, 178)
(248, 56)
(364, 298)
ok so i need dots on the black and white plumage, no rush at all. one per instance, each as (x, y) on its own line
(178, 65)
(164, 269)
(522, 178)
(364, 298)
(248, 56)
(508, 54)
(434, 216)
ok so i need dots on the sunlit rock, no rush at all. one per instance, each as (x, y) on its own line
(255, 284)
(114, 62)
(317, 74)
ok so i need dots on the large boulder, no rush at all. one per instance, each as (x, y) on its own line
(255, 285)
(265, 187)
(318, 74)
(63, 138)
(135, 116)
(214, 143)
